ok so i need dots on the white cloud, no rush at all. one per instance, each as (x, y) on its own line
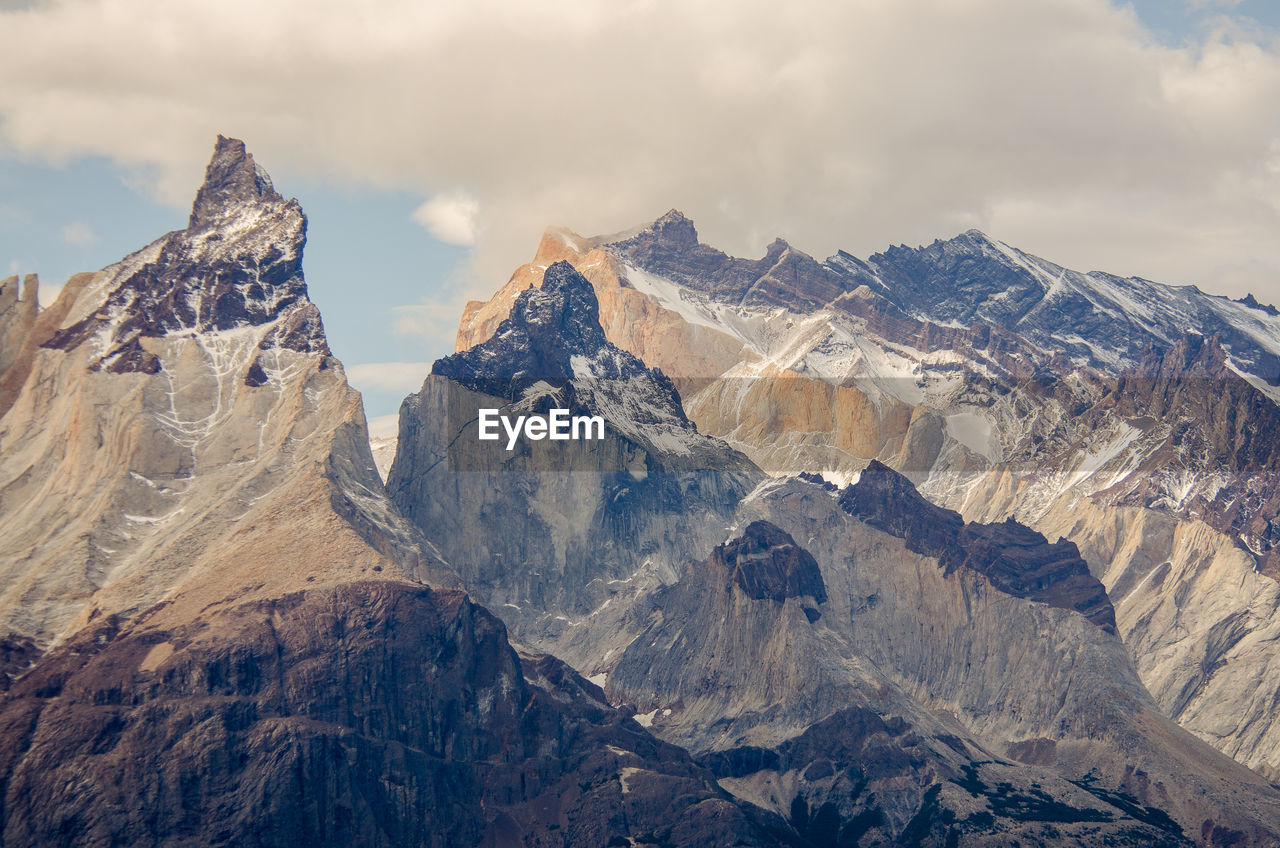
(79, 234)
(450, 217)
(434, 322)
(1061, 125)
(399, 377)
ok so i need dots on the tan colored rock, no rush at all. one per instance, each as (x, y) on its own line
(685, 352)
(1198, 618)
(180, 446)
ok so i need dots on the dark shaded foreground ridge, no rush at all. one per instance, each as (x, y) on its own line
(371, 713)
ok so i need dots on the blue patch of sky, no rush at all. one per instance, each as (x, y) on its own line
(1178, 22)
(56, 221)
(366, 259)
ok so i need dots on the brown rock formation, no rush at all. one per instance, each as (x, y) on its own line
(371, 713)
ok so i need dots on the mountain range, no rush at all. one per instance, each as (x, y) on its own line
(947, 546)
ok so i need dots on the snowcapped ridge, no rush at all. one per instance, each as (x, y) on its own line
(552, 344)
(237, 264)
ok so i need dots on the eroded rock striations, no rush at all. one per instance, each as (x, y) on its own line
(839, 365)
(219, 630)
(169, 412)
(1004, 385)
(548, 532)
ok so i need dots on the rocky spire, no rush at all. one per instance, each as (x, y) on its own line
(231, 179)
(238, 264)
(674, 231)
(548, 328)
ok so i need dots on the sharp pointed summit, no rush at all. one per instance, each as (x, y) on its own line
(231, 179)
(238, 264)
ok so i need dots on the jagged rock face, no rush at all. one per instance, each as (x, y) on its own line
(1016, 559)
(1236, 424)
(1167, 484)
(778, 699)
(122, 486)
(796, 380)
(18, 311)
(1104, 319)
(195, 649)
(18, 316)
(373, 713)
(737, 677)
(631, 320)
(783, 277)
(1026, 680)
(1016, 414)
(1197, 615)
(767, 564)
(552, 347)
(598, 520)
(238, 264)
(809, 705)
(1213, 432)
(547, 327)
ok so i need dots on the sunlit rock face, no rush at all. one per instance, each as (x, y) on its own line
(219, 629)
(846, 655)
(170, 416)
(1127, 417)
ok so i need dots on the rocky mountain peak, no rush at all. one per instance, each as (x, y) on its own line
(1252, 302)
(889, 502)
(674, 231)
(564, 308)
(238, 264)
(551, 352)
(231, 179)
(1014, 558)
(547, 328)
(767, 564)
(973, 236)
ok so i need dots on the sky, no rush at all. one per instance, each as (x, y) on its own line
(430, 144)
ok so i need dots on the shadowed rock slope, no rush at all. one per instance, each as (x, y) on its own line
(371, 713)
(549, 531)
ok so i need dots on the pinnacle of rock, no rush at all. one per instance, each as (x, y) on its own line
(231, 179)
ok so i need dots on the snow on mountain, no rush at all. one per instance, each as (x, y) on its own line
(631, 563)
(1004, 385)
(1097, 318)
(165, 415)
(553, 340)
